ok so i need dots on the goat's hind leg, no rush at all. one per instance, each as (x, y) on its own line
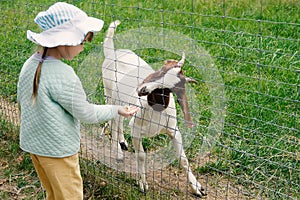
(141, 161)
(177, 143)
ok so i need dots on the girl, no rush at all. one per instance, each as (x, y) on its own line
(53, 101)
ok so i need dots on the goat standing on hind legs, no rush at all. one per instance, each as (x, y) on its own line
(128, 79)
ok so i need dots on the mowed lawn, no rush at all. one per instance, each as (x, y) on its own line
(254, 46)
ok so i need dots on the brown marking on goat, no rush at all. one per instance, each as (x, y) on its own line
(159, 99)
(180, 91)
(168, 64)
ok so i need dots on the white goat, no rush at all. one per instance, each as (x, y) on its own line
(128, 79)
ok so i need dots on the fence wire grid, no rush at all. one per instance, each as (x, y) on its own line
(245, 58)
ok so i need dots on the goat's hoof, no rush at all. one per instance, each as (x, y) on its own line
(203, 192)
(123, 146)
(197, 195)
(143, 186)
(200, 193)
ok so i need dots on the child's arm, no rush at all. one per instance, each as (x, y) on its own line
(73, 99)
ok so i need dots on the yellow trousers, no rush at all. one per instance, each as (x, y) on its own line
(60, 177)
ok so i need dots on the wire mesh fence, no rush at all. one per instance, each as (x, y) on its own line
(244, 56)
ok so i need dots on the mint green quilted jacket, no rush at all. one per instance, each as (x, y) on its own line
(51, 127)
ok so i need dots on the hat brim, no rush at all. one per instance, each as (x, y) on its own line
(67, 34)
(91, 24)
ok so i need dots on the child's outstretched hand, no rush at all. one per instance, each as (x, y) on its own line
(127, 111)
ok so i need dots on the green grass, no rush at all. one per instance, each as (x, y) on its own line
(254, 46)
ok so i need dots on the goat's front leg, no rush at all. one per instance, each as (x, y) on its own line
(141, 161)
(177, 143)
(123, 143)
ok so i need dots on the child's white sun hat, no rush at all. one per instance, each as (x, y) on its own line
(63, 24)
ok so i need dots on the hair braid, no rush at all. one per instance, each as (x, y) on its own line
(37, 75)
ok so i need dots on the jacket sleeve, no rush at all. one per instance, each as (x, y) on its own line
(71, 96)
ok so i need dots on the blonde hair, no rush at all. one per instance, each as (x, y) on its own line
(37, 75)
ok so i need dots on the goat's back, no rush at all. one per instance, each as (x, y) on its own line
(122, 72)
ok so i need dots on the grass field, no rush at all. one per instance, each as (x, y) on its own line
(255, 47)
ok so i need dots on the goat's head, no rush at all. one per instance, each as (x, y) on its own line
(158, 86)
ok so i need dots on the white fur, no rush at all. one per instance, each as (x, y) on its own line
(167, 81)
(122, 72)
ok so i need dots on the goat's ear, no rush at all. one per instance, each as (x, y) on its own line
(190, 80)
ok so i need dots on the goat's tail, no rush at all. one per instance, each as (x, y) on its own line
(108, 44)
